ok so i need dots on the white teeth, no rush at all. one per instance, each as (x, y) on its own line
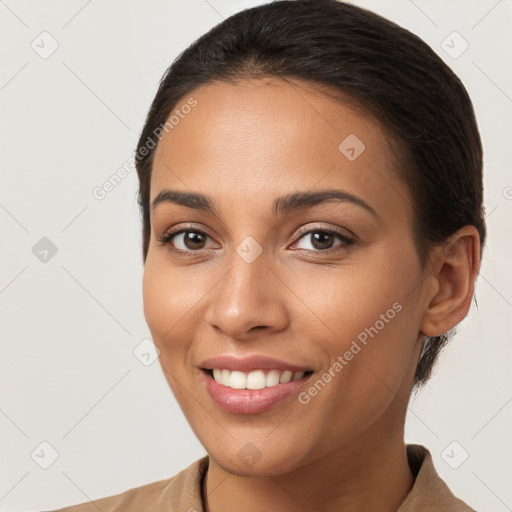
(272, 378)
(286, 377)
(225, 377)
(238, 380)
(255, 379)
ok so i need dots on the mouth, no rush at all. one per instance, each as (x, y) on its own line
(252, 384)
(255, 379)
(255, 391)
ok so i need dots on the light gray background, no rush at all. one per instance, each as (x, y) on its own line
(68, 374)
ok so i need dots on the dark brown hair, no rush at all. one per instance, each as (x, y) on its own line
(381, 67)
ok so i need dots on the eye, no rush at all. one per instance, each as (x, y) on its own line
(187, 240)
(322, 239)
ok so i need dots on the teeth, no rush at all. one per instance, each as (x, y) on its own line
(286, 377)
(255, 379)
(272, 378)
(238, 380)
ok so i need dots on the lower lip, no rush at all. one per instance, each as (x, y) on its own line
(250, 401)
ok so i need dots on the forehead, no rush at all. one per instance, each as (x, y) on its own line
(254, 140)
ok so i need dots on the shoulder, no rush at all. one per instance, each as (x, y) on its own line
(180, 492)
(429, 492)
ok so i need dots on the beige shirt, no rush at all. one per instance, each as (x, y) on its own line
(183, 492)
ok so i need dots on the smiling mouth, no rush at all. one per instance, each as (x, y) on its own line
(256, 379)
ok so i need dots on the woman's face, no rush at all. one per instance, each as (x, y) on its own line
(264, 283)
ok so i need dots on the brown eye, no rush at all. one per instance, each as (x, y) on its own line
(321, 240)
(187, 240)
(193, 240)
(324, 240)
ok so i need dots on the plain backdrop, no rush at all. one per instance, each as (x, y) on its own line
(83, 414)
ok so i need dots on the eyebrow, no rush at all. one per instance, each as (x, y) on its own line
(282, 205)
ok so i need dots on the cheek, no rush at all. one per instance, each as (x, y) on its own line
(174, 307)
(166, 301)
(154, 293)
(370, 320)
(369, 360)
(347, 301)
(166, 304)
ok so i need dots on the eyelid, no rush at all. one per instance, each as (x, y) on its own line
(343, 232)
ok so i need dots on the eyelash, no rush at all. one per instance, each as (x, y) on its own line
(167, 237)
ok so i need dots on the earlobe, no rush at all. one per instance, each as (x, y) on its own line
(457, 268)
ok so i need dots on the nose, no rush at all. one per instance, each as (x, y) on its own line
(249, 299)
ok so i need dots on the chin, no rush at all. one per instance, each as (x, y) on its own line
(261, 459)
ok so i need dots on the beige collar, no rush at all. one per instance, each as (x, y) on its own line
(183, 491)
(428, 494)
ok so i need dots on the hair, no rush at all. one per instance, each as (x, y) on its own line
(370, 62)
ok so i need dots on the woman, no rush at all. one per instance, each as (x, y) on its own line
(311, 192)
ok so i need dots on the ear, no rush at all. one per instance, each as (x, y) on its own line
(456, 268)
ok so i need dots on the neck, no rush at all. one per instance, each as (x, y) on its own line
(370, 474)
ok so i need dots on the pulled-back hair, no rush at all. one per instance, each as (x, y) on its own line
(366, 60)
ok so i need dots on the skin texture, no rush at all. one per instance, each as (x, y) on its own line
(244, 145)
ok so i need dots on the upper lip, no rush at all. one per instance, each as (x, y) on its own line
(246, 364)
